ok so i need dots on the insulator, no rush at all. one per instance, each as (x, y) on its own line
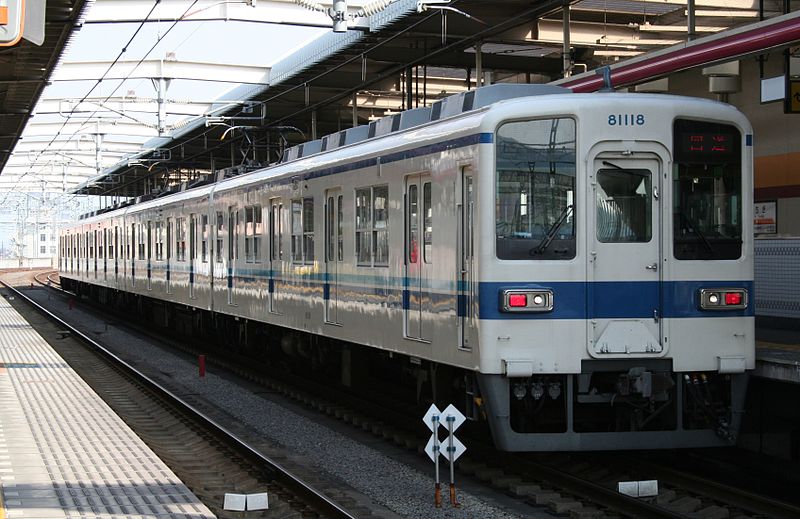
(310, 4)
(374, 7)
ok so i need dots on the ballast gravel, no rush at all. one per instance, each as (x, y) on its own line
(402, 489)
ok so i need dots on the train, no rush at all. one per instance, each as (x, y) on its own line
(573, 270)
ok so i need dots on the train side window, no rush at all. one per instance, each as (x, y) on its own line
(340, 230)
(252, 234)
(380, 230)
(363, 227)
(180, 239)
(169, 239)
(159, 241)
(330, 232)
(535, 190)
(142, 237)
(303, 230)
(372, 226)
(192, 238)
(413, 225)
(220, 234)
(276, 231)
(297, 231)
(233, 234)
(427, 214)
(204, 238)
(308, 230)
(149, 240)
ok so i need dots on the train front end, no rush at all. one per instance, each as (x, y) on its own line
(616, 267)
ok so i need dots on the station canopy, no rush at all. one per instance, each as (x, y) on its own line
(150, 97)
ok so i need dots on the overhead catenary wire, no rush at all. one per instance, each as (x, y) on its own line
(109, 96)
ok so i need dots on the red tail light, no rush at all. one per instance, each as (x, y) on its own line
(517, 300)
(733, 298)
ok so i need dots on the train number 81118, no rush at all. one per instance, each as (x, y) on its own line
(626, 120)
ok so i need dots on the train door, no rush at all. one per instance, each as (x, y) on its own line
(233, 250)
(626, 256)
(419, 257)
(334, 253)
(464, 239)
(275, 252)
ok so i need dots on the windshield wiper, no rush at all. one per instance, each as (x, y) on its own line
(612, 165)
(691, 226)
(551, 232)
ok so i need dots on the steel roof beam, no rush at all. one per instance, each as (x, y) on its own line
(265, 11)
(161, 68)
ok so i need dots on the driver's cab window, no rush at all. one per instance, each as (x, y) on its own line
(535, 191)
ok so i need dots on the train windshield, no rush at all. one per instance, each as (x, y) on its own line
(707, 191)
(535, 198)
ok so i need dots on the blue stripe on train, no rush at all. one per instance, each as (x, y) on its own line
(614, 300)
(573, 300)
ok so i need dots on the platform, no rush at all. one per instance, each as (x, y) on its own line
(778, 353)
(63, 451)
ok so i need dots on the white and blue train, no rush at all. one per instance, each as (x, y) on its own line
(574, 269)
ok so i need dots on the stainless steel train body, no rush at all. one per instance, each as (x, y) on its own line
(585, 259)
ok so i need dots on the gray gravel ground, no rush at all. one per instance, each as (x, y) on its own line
(401, 488)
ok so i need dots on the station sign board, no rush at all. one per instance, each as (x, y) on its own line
(22, 19)
(765, 219)
(793, 97)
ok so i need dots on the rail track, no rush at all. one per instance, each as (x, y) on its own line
(579, 485)
(203, 453)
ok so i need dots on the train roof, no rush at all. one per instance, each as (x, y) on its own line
(414, 121)
(442, 109)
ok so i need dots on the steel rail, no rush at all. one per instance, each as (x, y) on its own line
(730, 496)
(315, 499)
